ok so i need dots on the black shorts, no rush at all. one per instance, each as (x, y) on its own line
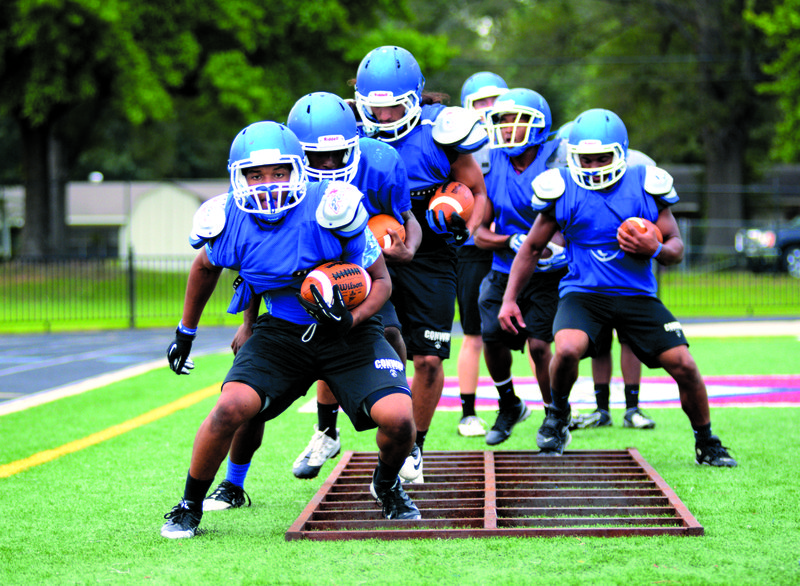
(606, 340)
(424, 295)
(388, 315)
(538, 303)
(644, 323)
(280, 366)
(473, 265)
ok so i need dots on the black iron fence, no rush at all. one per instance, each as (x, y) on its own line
(148, 291)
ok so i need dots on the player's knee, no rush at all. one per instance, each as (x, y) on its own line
(680, 365)
(395, 339)
(427, 366)
(540, 351)
(394, 416)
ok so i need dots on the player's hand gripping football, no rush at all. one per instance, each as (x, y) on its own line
(335, 318)
(178, 353)
(454, 233)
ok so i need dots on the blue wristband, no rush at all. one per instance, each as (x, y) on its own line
(658, 250)
(188, 331)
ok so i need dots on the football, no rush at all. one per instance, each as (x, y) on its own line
(640, 225)
(452, 197)
(380, 223)
(354, 283)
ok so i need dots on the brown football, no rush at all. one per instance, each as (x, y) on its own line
(354, 282)
(380, 223)
(640, 225)
(453, 197)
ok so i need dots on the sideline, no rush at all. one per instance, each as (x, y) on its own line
(13, 468)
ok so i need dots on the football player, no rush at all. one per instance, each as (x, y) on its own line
(435, 143)
(273, 228)
(609, 282)
(519, 125)
(326, 128)
(602, 366)
(479, 93)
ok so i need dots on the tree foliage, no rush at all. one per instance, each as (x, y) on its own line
(159, 89)
(781, 27)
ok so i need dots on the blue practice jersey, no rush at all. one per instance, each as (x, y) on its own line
(273, 259)
(427, 163)
(382, 178)
(510, 194)
(589, 222)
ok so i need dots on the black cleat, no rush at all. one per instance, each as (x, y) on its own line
(394, 500)
(182, 522)
(713, 453)
(506, 420)
(226, 496)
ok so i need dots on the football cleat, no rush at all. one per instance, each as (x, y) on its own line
(226, 496)
(471, 426)
(182, 522)
(636, 418)
(713, 453)
(411, 471)
(507, 418)
(319, 450)
(553, 436)
(597, 418)
(393, 499)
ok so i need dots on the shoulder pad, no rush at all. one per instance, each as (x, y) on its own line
(209, 220)
(460, 129)
(658, 183)
(341, 210)
(635, 157)
(547, 187)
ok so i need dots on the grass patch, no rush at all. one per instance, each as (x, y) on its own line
(94, 515)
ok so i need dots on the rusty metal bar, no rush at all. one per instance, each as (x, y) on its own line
(495, 494)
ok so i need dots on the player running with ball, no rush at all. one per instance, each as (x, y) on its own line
(274, 228)
(610, 282)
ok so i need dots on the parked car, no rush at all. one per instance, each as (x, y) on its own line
(771, 248)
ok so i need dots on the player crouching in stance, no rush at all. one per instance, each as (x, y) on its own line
(610, 282)
(273, 228)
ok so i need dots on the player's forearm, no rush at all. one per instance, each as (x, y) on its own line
(521, 271)
(199, 288)
(486, 239)
(379, 293)
(413, 232)
(671, 252)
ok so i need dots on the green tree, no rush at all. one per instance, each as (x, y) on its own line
(681, 73)
(781, 27)
(117, 83)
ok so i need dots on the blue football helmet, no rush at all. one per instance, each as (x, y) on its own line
(267, 143)
(597, 131)
(480, 86)
(530, 111)
(323, 122)
(389, 76)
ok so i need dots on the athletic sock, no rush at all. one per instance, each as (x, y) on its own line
(505, 389)
(602, 394)
(631, 396)
(386, 474)
(326, 418)
(702, 433)
(467, 405)
(237, 473)
(194, 493)
(559, 404)
(421, 438)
